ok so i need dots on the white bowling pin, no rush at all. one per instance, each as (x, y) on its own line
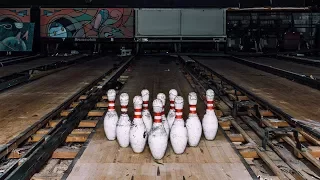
(124, 123)
(193, 123)
(178, 134)
(146, 116)
(138, 131)
(111, 117)
(210, 121)
(165, 123)
(158, 138)
(171, 115)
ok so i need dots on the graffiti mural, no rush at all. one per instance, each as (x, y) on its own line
(14, 15)
(16, 36)
(87, 22)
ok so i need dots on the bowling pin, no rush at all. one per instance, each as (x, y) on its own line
(171, 115)
(178, 134)
(138, 131)
(165, 123)
(193, 123)
(210, 121)
(111, 117)
(146, 116)
(124, 123)
(158, 137)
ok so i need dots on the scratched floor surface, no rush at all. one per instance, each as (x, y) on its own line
(211, 160)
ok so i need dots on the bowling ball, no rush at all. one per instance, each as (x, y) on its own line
(12, 44)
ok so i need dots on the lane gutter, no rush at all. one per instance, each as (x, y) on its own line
(265, 103)
(243, 161)
(299, 78)
(45, 147)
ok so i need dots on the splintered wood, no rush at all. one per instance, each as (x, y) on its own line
(22, 107)
(105, 159)
(287, 95)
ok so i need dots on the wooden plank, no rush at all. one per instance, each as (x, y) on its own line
(310, 138)
(218, 113)
(74, 104)
(223, 107)
(249, 153)
(92, 113)
(96, 113)
(83, 97)
(278, 123)
(53, 123)
(102, 105)
(266, 113)
(39, 176)
(275, 169)
(298, 169)
(65, 113)
(65, 153)
(71, 138)
(314, 151)
(236, 138)
(242, 98)
(232, 97)
(273, 89)
(60, 153)
(77, 138)
(75, 131)
(82, 124)
(238, 98)
(233, 92)
(269, 177)
(305, 154)
(300, 137)
(298, 153)
(98, 105)
(225, 125)
(88, 123)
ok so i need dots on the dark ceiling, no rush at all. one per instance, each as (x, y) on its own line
(160, 3)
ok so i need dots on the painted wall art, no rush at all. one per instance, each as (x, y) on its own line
(87, 22)
(14, 15)
(16, 36)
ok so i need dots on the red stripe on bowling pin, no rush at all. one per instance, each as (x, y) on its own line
(157, 118)
(210, 105)
(111, 105)
(137, 113)
(193, 109)
(145, 104)
(124, 109)
(178, 113)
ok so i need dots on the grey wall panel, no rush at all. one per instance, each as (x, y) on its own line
(158, 22)
(180, 22)
(203, 22)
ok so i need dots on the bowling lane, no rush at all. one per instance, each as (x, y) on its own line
(288, 66)
(16, 68)
(23, 106)
(103, 159)
(299, 101)
(7, 58)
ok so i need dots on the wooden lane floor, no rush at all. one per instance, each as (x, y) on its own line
(103, 159)
(16, 68)
(299, 101)
(22, 106)
(288, 66)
